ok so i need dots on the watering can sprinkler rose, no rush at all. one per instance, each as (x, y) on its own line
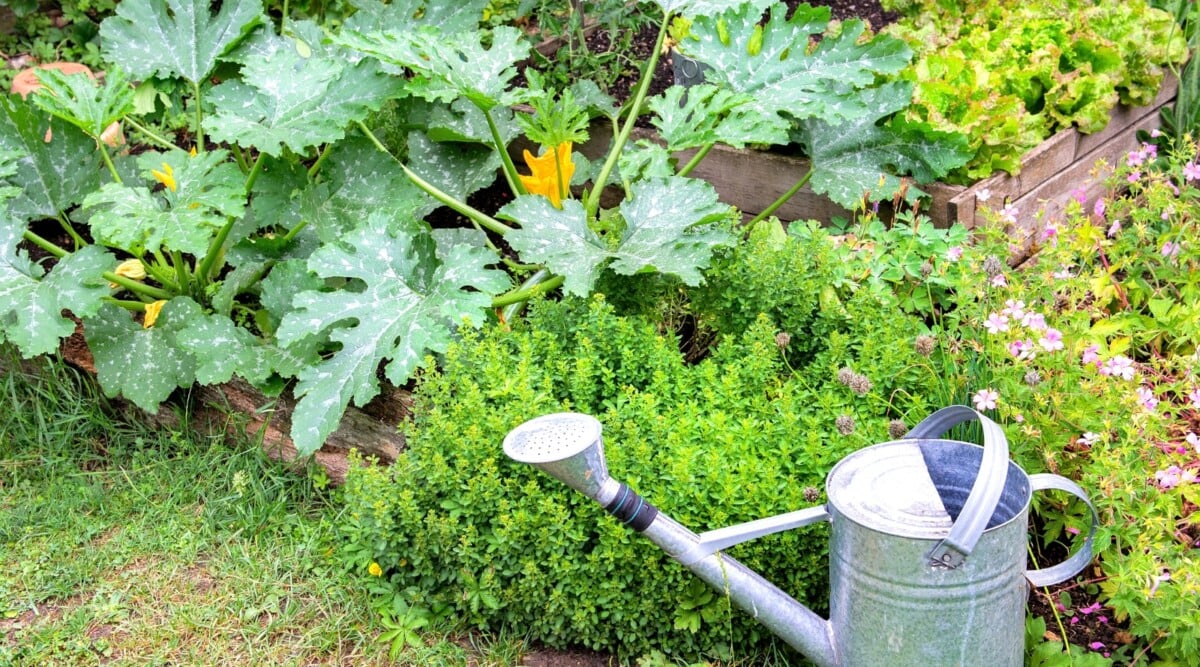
(927, 552)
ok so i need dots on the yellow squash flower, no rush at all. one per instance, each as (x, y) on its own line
(130, 268)
(374, 570)
(552, 172)
(152, 311)
(166, 176)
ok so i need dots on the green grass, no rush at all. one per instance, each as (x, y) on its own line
(125, 544)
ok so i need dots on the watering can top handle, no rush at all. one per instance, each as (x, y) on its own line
(1048, 576)
(985, 492)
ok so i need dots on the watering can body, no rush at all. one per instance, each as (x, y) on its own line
(927, 552)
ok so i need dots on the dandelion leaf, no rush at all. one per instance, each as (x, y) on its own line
(401, 302)
(176, 37)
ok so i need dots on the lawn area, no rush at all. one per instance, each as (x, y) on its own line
(123, 544)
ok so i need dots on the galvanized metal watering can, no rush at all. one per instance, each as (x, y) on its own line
(927, 554)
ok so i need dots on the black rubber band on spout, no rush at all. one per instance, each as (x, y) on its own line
(631, 509)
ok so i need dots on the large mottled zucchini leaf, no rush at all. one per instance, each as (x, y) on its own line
(52, 176)
(774, 63)
(359, 180)
(701, 115)
(693, 8)
(144, 365)
(456, 169)
(449, 65)
(296, 92)
(669, 227)
(79, 100)
(860, 156)
(449, 17)
(208, 190)
(222, 349)
(32, 302)
(402, 302)
(175, 37)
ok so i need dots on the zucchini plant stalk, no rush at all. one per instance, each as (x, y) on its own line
(593, 201)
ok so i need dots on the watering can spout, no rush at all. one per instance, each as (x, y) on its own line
(569, 447)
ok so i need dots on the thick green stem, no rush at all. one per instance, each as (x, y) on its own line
(199, 117)
(687, 168)
(149, 134)
(531, 288)
(136, 287)
(255, 172)
(510, 169)
(473, 214)
(287, 238)
(70, 230)
(44, 244)
(204, 271)
(240, 158)
(782, 199)
(316, 166)
(181, 272)
(593, 202)
(112, 169)
(135, 306)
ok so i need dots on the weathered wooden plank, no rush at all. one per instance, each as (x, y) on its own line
(1123, 117)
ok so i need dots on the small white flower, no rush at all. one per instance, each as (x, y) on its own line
(1089, 439)
(985, 399)
(983, 195)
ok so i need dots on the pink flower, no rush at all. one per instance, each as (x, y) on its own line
(1080, 194)
(1014, 309)
(1051, 340)
(1170, 249)
(1168, 478)
(995, 323)
(1050, 233)
(1090, 609)
(1119, 366)
(1191, 171)
(1091, 355)
(1071, 530)
(1146, 398)
(955, 253)
(1096, 646)
(1089, 439)
(1165, 576)
(1114, 228)
(1022, 349)
(1194, 397)
(1133, 176)
(1074, 620)
(999, 280)
(1035, 321)
(1063, 274)
(1009, 213)
(985, 399)
(1149, 150)
(1099, 208)
(1193, 440)
(1135, 158)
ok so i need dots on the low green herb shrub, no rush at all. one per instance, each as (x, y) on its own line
(1011, 75)
(455, 525)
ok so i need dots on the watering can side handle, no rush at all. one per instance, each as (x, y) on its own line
(985, 493)
(1048, 576)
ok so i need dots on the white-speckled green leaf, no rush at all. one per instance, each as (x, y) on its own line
(449, 17)
(52, 176)
(294, 99)
(360, 180)
(222, 349)
(862, 156)
(670, 227)
(693, 8)
(560, 239)
(82, 102)
(32, 304)
(772, 62)
(401, 303)
(451, 65)
(168, 38)
(699, 115)
(143, 365)
(456, 169)
(208, 192)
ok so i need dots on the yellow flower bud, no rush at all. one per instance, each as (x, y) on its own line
(152, 311)
(166, 176)
(374, 570)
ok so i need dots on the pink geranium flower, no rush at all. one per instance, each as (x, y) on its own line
(1146, 398)
(1051, 340)
(1191, 171)
(985, 399)
(995, 323)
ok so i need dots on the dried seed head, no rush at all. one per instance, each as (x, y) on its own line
(846, 375)
(859, 384)
(924, 345)
(992, 266)
(782, 339)
(926, 269)
(1033, 378)
(845, 424)
(811, 494)
(897, 429)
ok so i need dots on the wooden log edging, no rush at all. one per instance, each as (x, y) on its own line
(236, 408)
